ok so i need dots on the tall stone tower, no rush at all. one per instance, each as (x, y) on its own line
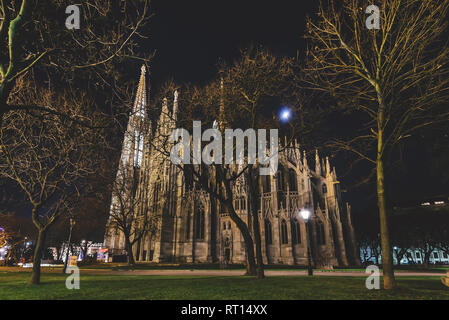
(131, 157)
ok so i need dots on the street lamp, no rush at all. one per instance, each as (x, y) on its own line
(305, 214)
(72, 223)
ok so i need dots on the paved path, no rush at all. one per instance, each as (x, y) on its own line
(267, 273)
(221, 273)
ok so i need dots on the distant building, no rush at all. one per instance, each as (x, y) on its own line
(92, 250)
(4, 252)
(413, 255)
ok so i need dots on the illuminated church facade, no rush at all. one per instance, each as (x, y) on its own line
(192, 226)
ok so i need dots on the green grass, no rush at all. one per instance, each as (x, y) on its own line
(14, 285)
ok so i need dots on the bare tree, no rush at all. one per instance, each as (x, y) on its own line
(50, 158)
(218, 180)
(236, 100)
(127, 213)
(34, 37)
(394, 78)
(251, 85)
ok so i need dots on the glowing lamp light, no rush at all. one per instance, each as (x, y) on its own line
(305, 214)
(285, 115)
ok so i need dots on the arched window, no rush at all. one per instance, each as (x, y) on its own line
(320, 233)
(188, 227)
(156, 194)
(229, 225)
(292, 180)
(284, 235)
(224, 225)
(296, 232)
(188, 178)
(138, 148)
(268, 234)
(266, 183)
(280, 179)
(199, 224)
(324, 188)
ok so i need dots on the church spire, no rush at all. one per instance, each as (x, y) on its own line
(141, 96)
(328, 167)
(304, 160)
(221, 112)
(317, 163)
(175, 105)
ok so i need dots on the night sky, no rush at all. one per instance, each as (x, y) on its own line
(190, 38)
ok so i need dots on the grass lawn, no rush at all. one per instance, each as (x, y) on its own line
(14, 285)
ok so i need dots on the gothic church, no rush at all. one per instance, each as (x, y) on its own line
(193, 228)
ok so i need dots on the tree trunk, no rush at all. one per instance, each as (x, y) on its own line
(254, 197)
(249, 245)
(387, 256)
(40, 243)
(84, 249)
(259, 258)
(427, 258)
(5, 89)
(129, 250)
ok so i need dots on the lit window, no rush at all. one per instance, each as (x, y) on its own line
(138, 149)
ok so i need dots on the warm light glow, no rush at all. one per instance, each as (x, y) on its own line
(305, 214)
(3, 241)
